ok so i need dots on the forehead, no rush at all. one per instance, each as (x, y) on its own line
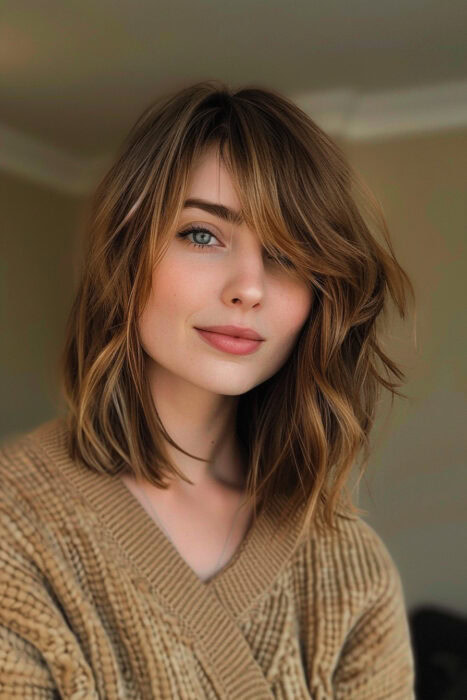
(211, 182)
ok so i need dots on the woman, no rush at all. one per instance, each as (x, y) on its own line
(186, 529)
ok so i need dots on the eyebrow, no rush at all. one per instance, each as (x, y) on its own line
(219, 210)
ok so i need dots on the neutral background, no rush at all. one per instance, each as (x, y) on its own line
(388, 84)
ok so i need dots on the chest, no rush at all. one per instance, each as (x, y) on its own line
(206, 535)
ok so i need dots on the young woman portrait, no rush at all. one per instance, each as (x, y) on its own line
(187, 527)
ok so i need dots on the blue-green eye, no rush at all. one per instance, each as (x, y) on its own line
(196, 230)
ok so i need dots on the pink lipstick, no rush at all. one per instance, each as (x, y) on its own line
(228, 343)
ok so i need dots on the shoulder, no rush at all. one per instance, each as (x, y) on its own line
(37, 504)
(354, 561)
(21, 449)
(28, 468)
(361, 537)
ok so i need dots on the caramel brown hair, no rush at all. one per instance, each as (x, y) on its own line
(302, 429)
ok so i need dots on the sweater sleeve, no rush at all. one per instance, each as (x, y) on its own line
(39, 655)
(377, 658)
(23, 671)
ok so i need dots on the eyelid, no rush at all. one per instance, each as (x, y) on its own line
(199, 224)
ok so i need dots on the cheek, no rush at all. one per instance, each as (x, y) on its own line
(305, 303)
(175, 295)
(294, 307)
(170, 291)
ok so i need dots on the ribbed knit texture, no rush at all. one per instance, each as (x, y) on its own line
(96, 602)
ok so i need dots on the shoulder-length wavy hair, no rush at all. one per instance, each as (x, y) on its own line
(304, 427)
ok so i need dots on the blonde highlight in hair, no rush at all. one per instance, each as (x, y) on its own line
(302, 429)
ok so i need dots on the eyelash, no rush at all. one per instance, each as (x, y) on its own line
(203, 246)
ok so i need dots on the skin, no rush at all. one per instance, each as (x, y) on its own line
(196, 387)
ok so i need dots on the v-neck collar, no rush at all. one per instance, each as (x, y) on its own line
(210, 607)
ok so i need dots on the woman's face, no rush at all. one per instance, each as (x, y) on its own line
(229, 281)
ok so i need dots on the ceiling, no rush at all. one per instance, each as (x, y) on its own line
(75, 75)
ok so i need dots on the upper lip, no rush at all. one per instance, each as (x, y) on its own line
(240, 331)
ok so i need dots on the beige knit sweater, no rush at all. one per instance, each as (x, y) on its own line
(96, 602)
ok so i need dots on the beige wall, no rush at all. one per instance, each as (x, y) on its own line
(36, 277)
(416, 477)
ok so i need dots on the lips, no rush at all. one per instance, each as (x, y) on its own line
(229, 343)
(235, 331)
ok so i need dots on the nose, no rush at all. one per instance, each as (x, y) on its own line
(246, 279)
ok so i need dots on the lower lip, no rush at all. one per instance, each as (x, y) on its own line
(227, 343)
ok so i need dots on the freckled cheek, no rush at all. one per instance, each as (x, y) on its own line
(178, 292)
